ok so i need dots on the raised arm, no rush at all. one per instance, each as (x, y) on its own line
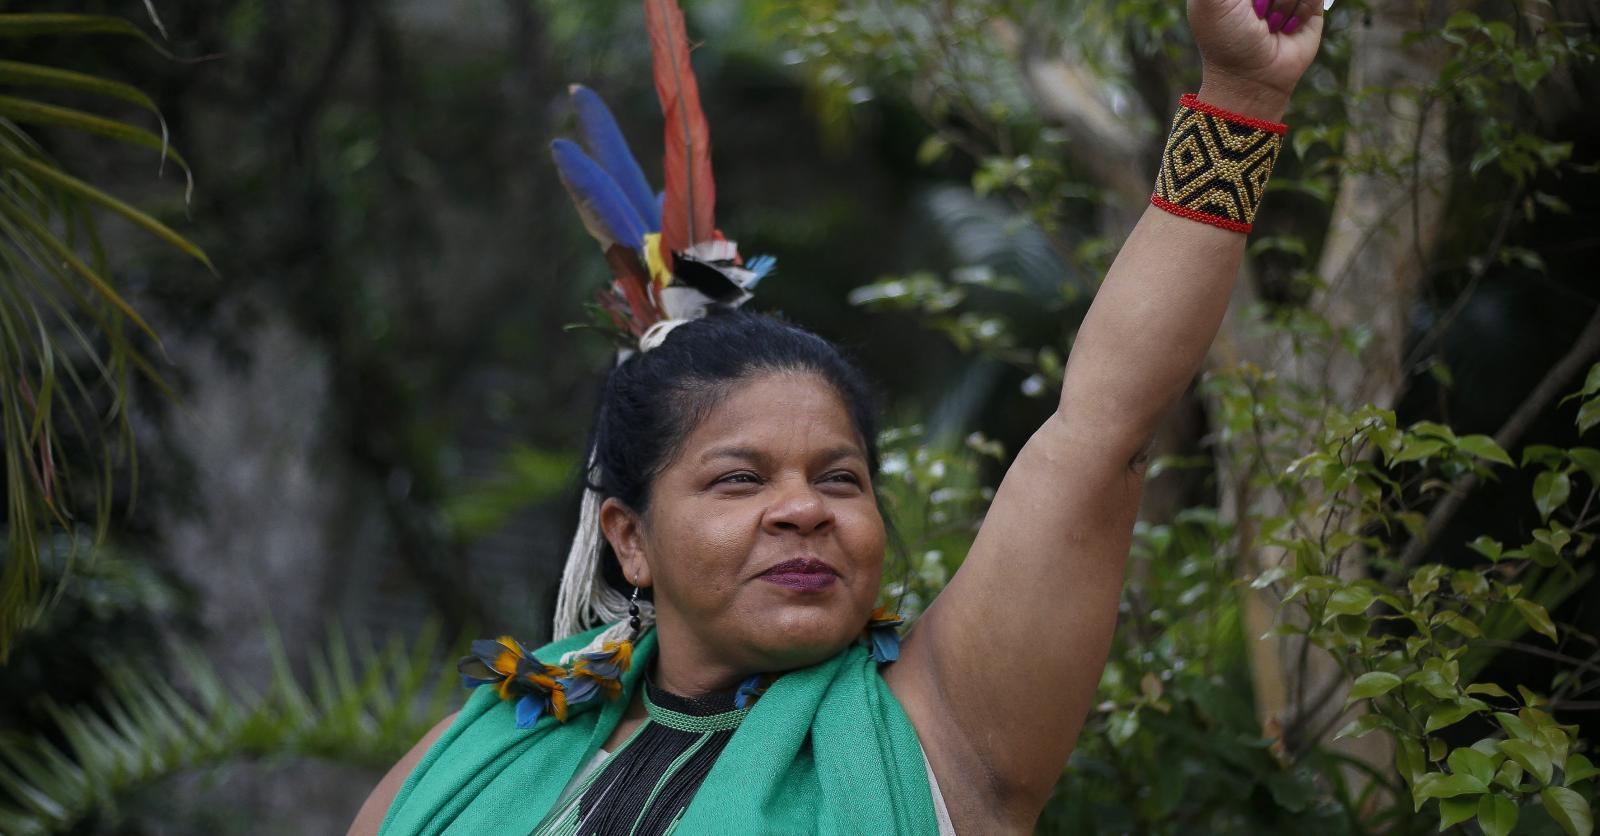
(1000, 672)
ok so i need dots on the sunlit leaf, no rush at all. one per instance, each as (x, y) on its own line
(1374, 684)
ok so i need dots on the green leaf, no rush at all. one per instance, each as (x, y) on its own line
(1409, 761)
(1591, 381)
(1290, 791)
(39, 113)
(1435, 429)
(1588, 415)
(932, 150)
(1550, 491)
(1469, 761)
(1440, 785)
(1509, 775)
(67, 257)
(1369, 685)
(1487, 546)
(33, 25)
(1461, 624)
(1452, 714)
(1537, 617)
(1587, 458)
(1542, 454)
(1578, 768)
(1435, 683)
(1456, 810)
(1497, 815)
(1529, 756)
(1348, 600)
(1363, 725)
(1418, 449)
(1453, 811)
(1516, 727)
(36, 75)
(1569, 809)
(77, 187)
(1489, 688)
(1485, 447)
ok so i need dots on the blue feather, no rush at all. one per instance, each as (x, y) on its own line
(604, 141)
(606, 212)
(761, 266)
(528, 710)
(579, 689)
(748, 690)
(885, 645)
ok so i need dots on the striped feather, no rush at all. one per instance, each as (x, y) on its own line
(688, 210)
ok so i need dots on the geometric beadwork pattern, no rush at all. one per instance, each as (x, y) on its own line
(1216, 164)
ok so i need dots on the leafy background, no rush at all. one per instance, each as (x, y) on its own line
(333, 431)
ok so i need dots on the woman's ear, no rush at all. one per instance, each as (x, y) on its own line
(624, 529)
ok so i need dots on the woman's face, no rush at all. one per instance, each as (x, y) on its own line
(762, 541)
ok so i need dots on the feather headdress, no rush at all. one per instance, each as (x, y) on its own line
(669, 264)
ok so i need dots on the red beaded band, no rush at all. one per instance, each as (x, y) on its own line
(1215, 166)
(1196, 215)
(1190, 100)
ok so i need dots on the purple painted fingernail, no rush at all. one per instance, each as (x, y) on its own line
(1293, 24)
(1261, 7)
(1274, 21)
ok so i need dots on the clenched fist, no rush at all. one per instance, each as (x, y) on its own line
(1255, 51)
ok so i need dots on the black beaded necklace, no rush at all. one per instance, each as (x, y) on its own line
(647, 783)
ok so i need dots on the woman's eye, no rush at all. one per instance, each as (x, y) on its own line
(842, 476)
(741, 478)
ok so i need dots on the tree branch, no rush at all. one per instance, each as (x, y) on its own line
(1583, 350)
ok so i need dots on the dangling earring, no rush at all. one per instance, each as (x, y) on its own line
(633, 615)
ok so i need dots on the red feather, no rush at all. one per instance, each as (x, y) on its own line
(688, 210)
(631, 281)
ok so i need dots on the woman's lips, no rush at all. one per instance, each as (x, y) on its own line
(801, 573)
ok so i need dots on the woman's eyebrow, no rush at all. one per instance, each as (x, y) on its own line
(754, 454)
(746, 453)
(842, 452)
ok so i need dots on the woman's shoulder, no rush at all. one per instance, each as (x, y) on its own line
(481, 700)
(376, 807)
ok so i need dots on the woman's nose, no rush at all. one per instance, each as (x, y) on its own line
(797, 507)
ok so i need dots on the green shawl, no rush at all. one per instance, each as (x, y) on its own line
(826, 750)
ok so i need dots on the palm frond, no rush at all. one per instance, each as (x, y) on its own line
(146, 729)
(60, 311)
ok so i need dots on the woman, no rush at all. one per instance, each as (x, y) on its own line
(735, 459)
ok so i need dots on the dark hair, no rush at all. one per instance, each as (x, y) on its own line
(652, 400)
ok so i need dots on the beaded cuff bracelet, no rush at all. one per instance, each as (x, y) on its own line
(1216, 165)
